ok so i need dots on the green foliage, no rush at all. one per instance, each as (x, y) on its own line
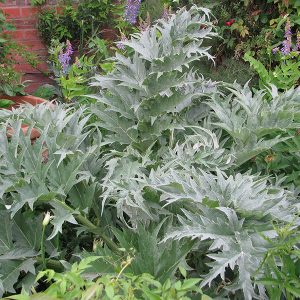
(46, 91)
(72, 80)
(282, 279)
(10, 80)
(284, 76)
(59, 26)
(230, 70)
(292, 7)
(5, 103)
(73, 77)
(80, 24)
(37, 2)
(153, 8)
(165, 173)
(255, 27)
(143, 252)
(75, 284)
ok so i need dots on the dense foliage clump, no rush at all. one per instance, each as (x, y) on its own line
(166, 175)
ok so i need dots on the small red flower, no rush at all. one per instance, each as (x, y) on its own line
(228, 24)
(232, 21)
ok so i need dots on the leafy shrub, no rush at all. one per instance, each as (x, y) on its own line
(62, 27)
(76, 24)
(284, 76)
(74, 285)
(72, 73)
(282, 279)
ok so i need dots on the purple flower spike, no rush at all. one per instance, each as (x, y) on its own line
(288, 32)
(286, 49)
(275, 50)
(287, 43)
(132, 10)
(65, 57)
(298, 41)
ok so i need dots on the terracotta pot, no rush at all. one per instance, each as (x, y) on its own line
(18, 100)
(34, 134)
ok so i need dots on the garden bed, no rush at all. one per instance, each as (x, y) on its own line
(148, 179)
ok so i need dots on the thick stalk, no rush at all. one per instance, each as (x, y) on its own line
(51, 264)
(89, 225)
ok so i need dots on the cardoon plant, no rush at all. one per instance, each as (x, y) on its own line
(146, 91)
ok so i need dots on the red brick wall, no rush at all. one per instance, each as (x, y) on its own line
(24, 17)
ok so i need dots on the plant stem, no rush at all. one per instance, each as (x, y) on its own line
(51, 264)
(171, 138)
(43, 248)
(89, 225)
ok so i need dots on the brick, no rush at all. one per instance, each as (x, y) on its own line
(12, 12)
(27, 12)
(33, 45)
(17, 35)
(24, 17)
(31, 34)
(36, 80)
(24, 23)
(42, 53)
(26, 68)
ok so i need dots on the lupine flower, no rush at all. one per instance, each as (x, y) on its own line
(298, 41)
(288, 32)
(287, 43)
(65, 57)
(120, 44)
(286, 49)
(275, 50)
(132, 10)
